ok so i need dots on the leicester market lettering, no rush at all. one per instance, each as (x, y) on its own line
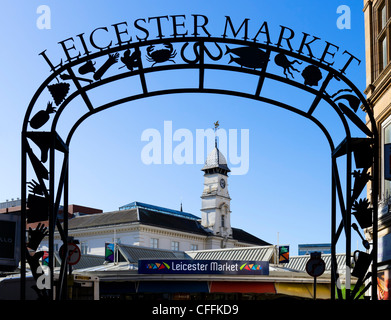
(203, 267)
(177, 26)
(214, 266)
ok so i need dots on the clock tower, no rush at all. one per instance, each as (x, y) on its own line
(216, 213)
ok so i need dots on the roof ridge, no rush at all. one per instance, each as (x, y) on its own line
(151, 207)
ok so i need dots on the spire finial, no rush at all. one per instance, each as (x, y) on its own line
(216, 124)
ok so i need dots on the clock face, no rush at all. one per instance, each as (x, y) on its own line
(222, 183)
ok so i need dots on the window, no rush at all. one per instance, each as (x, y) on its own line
(154, 243)
(386, 138)
(383, 16)
(174, 245)
(383, 52)
(383, 34)
(223, 221)
(194, 247)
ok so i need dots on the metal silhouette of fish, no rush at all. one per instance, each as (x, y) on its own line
(248, 57)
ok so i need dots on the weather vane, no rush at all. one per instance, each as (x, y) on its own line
(216, 124)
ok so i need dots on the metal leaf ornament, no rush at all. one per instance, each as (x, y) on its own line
(360, 181)
(363, 213)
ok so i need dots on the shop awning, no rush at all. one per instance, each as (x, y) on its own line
(173, 286)
(117, 287)
(242, 287)
(304, 290)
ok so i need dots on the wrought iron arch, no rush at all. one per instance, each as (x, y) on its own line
(207, 53)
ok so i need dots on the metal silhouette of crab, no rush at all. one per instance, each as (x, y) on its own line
(166, 53)
(282, 61)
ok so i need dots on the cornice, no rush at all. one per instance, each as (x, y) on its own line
(380, 85)
(120, 229)
(366, 5)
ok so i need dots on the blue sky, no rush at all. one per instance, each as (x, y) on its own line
(287, 188)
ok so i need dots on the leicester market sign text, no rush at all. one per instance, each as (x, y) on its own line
(180, 26)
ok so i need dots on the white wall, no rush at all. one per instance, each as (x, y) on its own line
(141, 235)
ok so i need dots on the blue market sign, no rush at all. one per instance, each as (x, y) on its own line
(203, 267)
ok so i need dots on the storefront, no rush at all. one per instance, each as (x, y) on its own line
(202, 275)
(278, 283)
(230, 274)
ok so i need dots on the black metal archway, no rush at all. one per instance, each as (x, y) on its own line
(263, 61)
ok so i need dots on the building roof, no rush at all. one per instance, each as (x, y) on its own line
(133, 254)
(138, 215)
(216, 159)
(164, 218)
(171, 222)
(243, 236)
(151, 207)
(103, 219)
(258, 253)
(86, 261)
(264, 253)
(299, 262)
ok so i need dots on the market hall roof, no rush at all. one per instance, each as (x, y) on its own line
(258, 253)
(133, 254)
(155, 216)
(137, 215)
(151, 207)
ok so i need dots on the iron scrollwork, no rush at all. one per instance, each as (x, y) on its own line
(145, 56)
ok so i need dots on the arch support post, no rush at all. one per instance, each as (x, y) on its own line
(362, 264)
(42, 204)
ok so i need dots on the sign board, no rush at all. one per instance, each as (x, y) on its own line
(109, 252)
(167, 266)
(9, 241)
(304, 249)
(283, 254)
(315, 267)
(74, 253)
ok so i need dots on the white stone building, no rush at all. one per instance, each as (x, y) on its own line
(156, 227)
